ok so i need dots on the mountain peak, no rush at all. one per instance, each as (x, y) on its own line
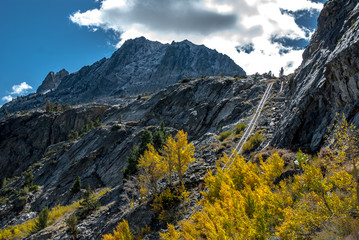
(52, 81)
(138, 66)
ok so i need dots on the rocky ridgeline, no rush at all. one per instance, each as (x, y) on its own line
(138, 66)
(52, 81)
(203, 107)
(326, 83)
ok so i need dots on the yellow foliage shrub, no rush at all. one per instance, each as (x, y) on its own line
(23, 230)
(244, 203)
(122, 232)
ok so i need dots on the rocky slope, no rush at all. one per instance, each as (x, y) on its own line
(326, 83)
(24, 137)
(203, 107)
(138, 66)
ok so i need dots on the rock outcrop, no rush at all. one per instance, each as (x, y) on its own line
(52, 81)
(24, 137)
(327, 82)
(138, 66)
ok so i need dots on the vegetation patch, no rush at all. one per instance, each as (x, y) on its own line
(257, 200)
(253, 142)
(25, 229)
(223, 135)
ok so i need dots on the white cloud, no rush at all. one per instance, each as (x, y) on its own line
(219, 24)
(7, 98)
(21, 89)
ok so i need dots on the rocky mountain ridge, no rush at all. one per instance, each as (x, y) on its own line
(52, 81)
(138, 66)
(326, 83)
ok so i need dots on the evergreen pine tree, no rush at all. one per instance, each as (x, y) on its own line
(42, 221)
(160, 137)
(76, 186)
(88, 204)
(132, 161)
(71, 223)
(146, 138)
(281, 72)
(29, 179)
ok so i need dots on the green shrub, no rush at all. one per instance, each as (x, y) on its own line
(88, 204)
(115, 127)
(165, 203)
(42, 221)
(253, 142)
(73, 135)
(4, 183)
(66, 107)
(2, 200)
(224, 135)
(29, 179)
(24, 191)
(7, 191)
(240, 127)
(22, 198)
(34, 188)
(73, 161)
(186, 80)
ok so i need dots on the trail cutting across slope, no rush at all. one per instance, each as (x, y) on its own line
(251, 125)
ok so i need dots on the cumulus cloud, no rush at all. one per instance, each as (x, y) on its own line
(270, 27)
(21, 89)
(7, 98)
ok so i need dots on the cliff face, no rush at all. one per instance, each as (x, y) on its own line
(327, 82)
(138, 66)
(52, 81)
(25, 137)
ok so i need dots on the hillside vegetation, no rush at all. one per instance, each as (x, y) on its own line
(260, 200)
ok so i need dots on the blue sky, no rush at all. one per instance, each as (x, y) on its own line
(39, 36)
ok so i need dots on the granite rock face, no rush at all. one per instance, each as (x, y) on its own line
(138, 66)
(327, 82)
(52, 81)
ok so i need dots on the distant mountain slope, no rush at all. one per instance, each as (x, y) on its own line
(327, 82)
(138, 66)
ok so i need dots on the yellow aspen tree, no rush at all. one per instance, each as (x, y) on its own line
(122, 232)
(151, 166)
(344, 143)
(171, 234)
(241, 203)
(169, 154)
(178, 154)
